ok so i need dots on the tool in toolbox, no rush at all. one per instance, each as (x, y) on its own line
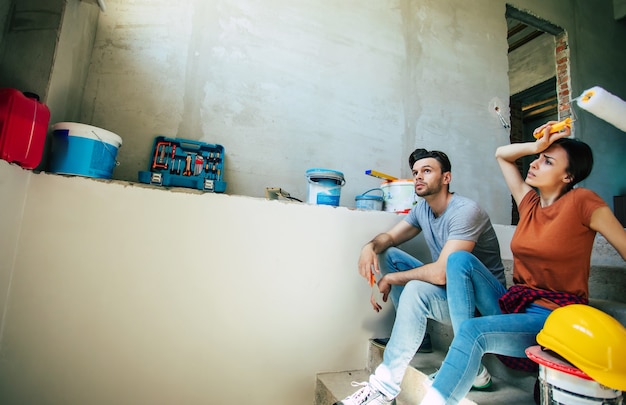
(24, 124)
(180, 162)
(159, 160)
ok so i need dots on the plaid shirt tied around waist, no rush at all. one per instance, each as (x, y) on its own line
(515, 300)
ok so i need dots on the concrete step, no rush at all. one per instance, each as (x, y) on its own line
(334, 386)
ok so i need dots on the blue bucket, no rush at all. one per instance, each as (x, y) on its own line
(368, 201)
(83, 150)
(324, 186)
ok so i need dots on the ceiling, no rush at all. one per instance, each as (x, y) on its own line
(519, 33)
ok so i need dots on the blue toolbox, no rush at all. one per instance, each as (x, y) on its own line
(180, 162)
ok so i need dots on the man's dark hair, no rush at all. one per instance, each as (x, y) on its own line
(440, 157)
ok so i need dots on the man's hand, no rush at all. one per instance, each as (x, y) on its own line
(368, 262)
(384, 288)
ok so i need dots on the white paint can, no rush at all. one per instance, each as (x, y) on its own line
(399, 195)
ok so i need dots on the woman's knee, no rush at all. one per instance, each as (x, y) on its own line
(459, 262)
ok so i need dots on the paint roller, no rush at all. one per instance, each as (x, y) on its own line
(600, 103)
(604, 105)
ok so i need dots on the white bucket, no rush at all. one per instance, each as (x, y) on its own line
(557, 387)
(324, 186)
(399, 195)
(368, 201)
(560, 383)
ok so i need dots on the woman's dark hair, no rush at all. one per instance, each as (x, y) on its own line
(580, 159)
(441, 157)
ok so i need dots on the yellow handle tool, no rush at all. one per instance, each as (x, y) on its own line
(380, 175)
(559, 126)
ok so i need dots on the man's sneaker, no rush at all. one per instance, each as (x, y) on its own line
(481, 382)
(425, 347)
(381, 343)
(366, 395)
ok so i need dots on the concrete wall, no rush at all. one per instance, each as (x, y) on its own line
(29, 43)
(289, 87)
(286, 87)
(532, 64)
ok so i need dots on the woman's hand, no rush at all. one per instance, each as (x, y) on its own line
(548, 138)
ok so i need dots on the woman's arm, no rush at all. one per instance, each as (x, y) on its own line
(507, 155)
(603, 221)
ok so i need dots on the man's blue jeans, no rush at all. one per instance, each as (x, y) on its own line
(415, 302)
(470, 288)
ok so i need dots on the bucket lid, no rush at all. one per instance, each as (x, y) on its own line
(325, 174)
(88, 131)
(364, 196)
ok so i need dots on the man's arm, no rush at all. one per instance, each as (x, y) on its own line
(434, 273)
(368, 260)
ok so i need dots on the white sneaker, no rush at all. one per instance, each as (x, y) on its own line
(366, 395)
(481, 382)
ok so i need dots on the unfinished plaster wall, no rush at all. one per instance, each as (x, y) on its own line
(599, 60)
(532, 64)
(289, 86)
(29, 43)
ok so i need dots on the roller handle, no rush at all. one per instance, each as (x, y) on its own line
(558, 127)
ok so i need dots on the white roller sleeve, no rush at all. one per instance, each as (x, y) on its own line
(604, 105)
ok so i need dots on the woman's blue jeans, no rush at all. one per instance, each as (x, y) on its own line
(471, 288)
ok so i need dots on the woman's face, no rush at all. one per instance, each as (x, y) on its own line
(549, 169)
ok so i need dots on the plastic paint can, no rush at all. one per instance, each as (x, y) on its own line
(399, 195)
(83, 150)
(368, 201)
(324, 186)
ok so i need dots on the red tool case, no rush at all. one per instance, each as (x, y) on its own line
(24, 124)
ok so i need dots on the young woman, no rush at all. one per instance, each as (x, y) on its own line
(551, 250)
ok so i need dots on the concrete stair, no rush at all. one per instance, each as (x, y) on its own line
(508, 385)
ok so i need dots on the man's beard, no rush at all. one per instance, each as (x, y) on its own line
(426, 191)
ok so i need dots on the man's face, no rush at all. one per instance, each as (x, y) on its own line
(428, 177)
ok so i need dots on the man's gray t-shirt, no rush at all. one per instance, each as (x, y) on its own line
(463, 219)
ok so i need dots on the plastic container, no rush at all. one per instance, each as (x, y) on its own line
(324, 186)
(562, 383)
(368, 201)
(399, 195)
(83, 150)
(23, 127)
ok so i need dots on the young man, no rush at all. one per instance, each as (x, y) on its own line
(449, 223)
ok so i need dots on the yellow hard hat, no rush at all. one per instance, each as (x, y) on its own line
(591, 340)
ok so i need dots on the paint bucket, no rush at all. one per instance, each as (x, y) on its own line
(371, 202)
(562, 383)
(324, 186)
(83, 150)
(399, 195)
